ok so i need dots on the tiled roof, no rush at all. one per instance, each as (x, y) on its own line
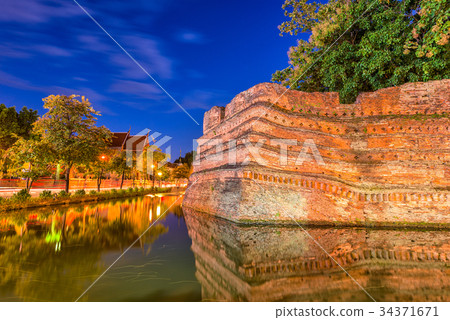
(125, 141)
(136, 143)
(118, 140)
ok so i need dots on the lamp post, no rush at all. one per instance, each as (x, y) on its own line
(99, 179)
(153, 175)
(160, 174)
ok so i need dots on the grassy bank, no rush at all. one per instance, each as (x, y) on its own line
(23, 199)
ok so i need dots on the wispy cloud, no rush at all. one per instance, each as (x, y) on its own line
(52, 31)
(91, 42)
(35, 11)
(190, 37)
(12, 81)
(80, 79)
(204, 99)
(52, 50)
(11, 50)
(148, 52)
(96, 98)
(138, 89)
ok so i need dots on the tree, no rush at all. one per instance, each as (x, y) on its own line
(187, 159)
(182, 172)
(100, 165)
(430, 36)
(14, 125)
(69, 126)
(119, 165)
(154, 157)
(31, 159)
(359, 45)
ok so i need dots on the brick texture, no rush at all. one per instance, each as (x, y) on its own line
(385, 158)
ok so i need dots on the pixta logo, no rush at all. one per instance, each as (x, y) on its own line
(144, 151)
(217, 150)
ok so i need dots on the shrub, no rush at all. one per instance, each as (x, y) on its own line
(22, 195)
(92, 192)
(80, 193)
(141, 189)
(113, 191)
(136, 189)
(63, 194)
(130, 190)
(122, 192)
(46, 194)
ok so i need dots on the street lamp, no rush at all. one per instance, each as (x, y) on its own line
(160, 174)
(99, 178)
(153, 175)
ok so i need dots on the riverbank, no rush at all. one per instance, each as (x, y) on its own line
(79, 196)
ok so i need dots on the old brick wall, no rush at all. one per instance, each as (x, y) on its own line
(386, 157)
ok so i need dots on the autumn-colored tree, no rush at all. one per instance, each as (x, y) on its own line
(358, 45)
(69, 126)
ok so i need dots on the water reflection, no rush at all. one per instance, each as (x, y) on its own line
(260, 263)
(54, 254)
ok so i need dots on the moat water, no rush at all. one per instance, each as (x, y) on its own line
(56, 253)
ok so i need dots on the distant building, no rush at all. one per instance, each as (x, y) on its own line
(125, 141)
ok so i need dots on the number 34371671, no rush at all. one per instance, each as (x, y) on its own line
(409, 311)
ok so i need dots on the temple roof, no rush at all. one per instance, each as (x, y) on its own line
(125, 141)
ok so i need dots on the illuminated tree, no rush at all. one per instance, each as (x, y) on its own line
(182, 172)
(119, 165)
(69, 126)
(100, 165)
(31, 159)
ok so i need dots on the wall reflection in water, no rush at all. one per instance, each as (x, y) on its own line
(54, 254)
(262, 263)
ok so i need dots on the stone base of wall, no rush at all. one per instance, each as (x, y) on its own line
(384, 160)
(243, 195)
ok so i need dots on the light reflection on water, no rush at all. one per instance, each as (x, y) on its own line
(54, 254)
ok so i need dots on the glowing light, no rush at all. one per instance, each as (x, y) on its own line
(160, 173)
(158, 210)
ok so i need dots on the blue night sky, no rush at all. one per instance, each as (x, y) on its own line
(202, 52)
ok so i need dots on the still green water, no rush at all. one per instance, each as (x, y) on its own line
(56, 253)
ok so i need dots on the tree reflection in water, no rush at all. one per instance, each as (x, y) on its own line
(54, 254)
